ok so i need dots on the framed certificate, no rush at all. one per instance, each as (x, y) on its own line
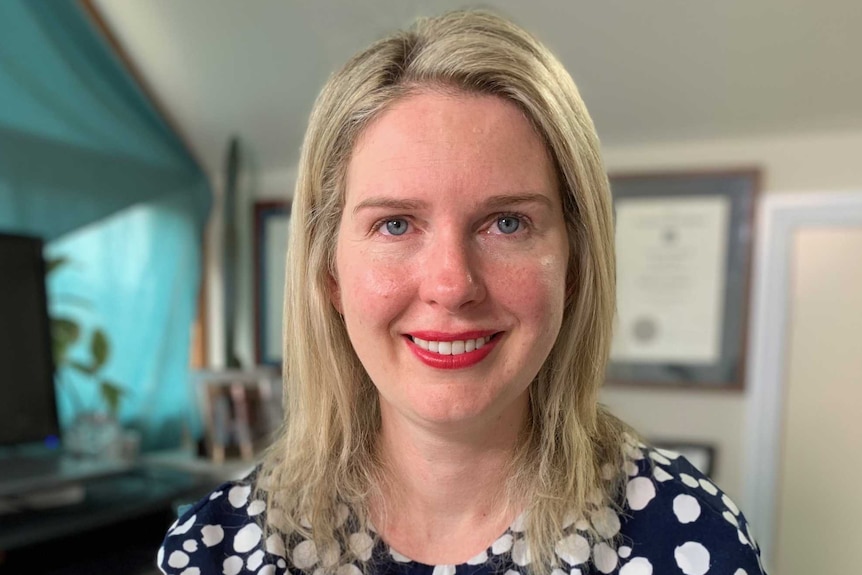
(683, 244)
(271, 224)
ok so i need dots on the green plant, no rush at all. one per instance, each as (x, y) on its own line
(65, 333)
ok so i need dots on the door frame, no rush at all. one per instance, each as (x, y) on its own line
(779, 217)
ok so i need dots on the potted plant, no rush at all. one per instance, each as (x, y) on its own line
(94, 431)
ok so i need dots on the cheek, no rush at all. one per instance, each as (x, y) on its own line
(371, 289)
(535, 287)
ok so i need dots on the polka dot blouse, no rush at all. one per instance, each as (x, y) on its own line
(675, 521)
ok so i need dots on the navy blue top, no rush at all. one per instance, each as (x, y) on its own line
(674, 521)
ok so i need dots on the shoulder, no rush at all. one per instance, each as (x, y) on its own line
(221, 533)
(674, 517)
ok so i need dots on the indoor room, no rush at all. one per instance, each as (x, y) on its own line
(151, 165)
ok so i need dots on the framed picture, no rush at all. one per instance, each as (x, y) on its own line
(683, 244)
(701, 455)
(271, 224)
(241, 410)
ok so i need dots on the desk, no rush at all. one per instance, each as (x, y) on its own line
(155, 488)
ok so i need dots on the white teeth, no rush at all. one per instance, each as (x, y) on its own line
(452, 347)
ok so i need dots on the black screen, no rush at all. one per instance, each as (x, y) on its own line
(28, 411)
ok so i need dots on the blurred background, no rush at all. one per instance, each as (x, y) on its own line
(152, 145)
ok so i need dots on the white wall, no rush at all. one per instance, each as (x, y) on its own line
(814, 162)
(822, 430)
(796, 162)
(251, 187)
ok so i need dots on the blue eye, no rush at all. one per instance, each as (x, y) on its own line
(396, 227)
(508, 224)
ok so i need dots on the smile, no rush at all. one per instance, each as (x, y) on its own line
(443, 352)
(456, 347)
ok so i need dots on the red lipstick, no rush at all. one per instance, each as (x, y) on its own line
(460, 361)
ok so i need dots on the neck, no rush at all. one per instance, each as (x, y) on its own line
(445, 498)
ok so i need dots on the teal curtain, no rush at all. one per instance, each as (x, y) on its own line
(87, 163)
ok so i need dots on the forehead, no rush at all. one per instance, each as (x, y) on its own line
(450, 139)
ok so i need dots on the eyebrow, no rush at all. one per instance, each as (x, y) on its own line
(390, 203)
(494, 202)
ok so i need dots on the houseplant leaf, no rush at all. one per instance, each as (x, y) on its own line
(54, 263)
(64, 333)
(99, 349)
(83, 368)
(111, 393)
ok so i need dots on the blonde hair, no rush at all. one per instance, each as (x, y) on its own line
(325, 454)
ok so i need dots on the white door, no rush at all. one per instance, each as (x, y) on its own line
(805, 413)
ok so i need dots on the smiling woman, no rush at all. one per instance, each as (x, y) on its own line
(448, 311)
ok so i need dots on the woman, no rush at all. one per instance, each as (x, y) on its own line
(449, 302)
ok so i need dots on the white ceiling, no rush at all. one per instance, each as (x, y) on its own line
(655, 70)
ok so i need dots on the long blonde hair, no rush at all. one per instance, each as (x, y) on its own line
(325, 454)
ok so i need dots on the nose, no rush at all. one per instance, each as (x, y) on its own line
(450, 276)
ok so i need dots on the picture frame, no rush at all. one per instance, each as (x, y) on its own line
(684, 251)
(241, 409)
(271, 225)
(701, 455)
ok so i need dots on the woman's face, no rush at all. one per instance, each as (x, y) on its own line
(451, 258)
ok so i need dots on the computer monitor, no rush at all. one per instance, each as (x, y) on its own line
(28, 407)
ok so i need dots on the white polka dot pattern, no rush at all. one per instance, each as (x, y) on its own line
(702, 529)
(689, 480)
(606, 522)
(232, 565)
(247, 538)
(574, 549)
(661, 475)
(502, 545)
(605, 557)
(708, 487)
(184, 528)
(639, 492)
(305, 555)
(692, 558)
(730, 504)
(686, 508)
(275, 545)
(348, 570)
(212, 535)
(238, 496)
(254, 560)
(520, 553)
(256, 508)
(361, 545)
(637, 566)
(178, 559)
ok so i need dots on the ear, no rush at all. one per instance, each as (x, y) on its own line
(334, 292)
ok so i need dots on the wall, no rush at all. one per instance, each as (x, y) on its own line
(819, 482)
(251, 187)
(790, 163)
(810, 162)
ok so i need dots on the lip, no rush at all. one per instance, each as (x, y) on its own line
(460, 361)
(449, 336)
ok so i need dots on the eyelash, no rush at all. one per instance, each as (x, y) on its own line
(524, 221)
